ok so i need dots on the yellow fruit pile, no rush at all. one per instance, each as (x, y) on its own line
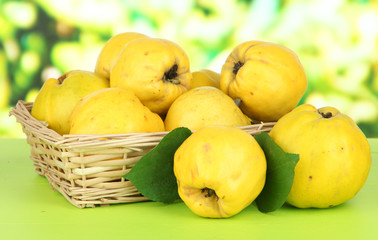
(158, 86)
(144, 84)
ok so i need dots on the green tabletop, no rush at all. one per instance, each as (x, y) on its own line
(30, 209)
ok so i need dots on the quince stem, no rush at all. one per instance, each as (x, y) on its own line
(171, 75)
(62, 77)
(209, 192)
(237, 66)
(326, 115)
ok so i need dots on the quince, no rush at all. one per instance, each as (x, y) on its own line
(156, 70)
(57, 97)
(334, 155)
(204, 106)
(112, 111)
(112, 49)
(268, 78)
(205, 77)
(220, 171)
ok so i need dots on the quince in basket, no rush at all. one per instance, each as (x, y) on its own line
(219, 170)
(204, 106)
(268, 79)
(156, 70)
(112, 49)
(334, 155)
(58, 97)
(112, 111)
(205, 77)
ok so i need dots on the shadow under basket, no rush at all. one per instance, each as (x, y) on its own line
(87, 169)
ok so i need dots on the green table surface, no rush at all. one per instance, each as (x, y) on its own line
(30, 209)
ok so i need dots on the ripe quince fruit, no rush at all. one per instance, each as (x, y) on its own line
(113, 111)
(204, 106)
(205, 77)
(334, 155)
(58, 97)
(267, 77)
(156, 70)
(112, 49)
(220, 171)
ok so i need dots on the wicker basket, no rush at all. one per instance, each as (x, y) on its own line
(87, 169)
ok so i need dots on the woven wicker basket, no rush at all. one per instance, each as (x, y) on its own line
(87, 169)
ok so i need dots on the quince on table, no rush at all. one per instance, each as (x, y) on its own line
(219, 170)
(334, 155)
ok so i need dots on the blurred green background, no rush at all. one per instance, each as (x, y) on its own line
(337, 42)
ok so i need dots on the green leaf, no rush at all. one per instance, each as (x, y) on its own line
(279, 175)
(153, 174)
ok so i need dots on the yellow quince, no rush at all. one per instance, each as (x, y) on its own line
(156, 70)
(204, 106)
(58, 97)
(113, 111)
(112, 49)
(334, 155)
(268, 78)
(205, 77)
(220, 171)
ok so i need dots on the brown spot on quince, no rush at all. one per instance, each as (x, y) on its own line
(206, 147)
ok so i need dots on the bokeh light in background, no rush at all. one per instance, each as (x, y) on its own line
(337, 42)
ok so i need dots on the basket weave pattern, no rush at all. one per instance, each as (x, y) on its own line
(87, 169)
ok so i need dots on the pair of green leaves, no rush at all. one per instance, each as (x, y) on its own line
(153, 175)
